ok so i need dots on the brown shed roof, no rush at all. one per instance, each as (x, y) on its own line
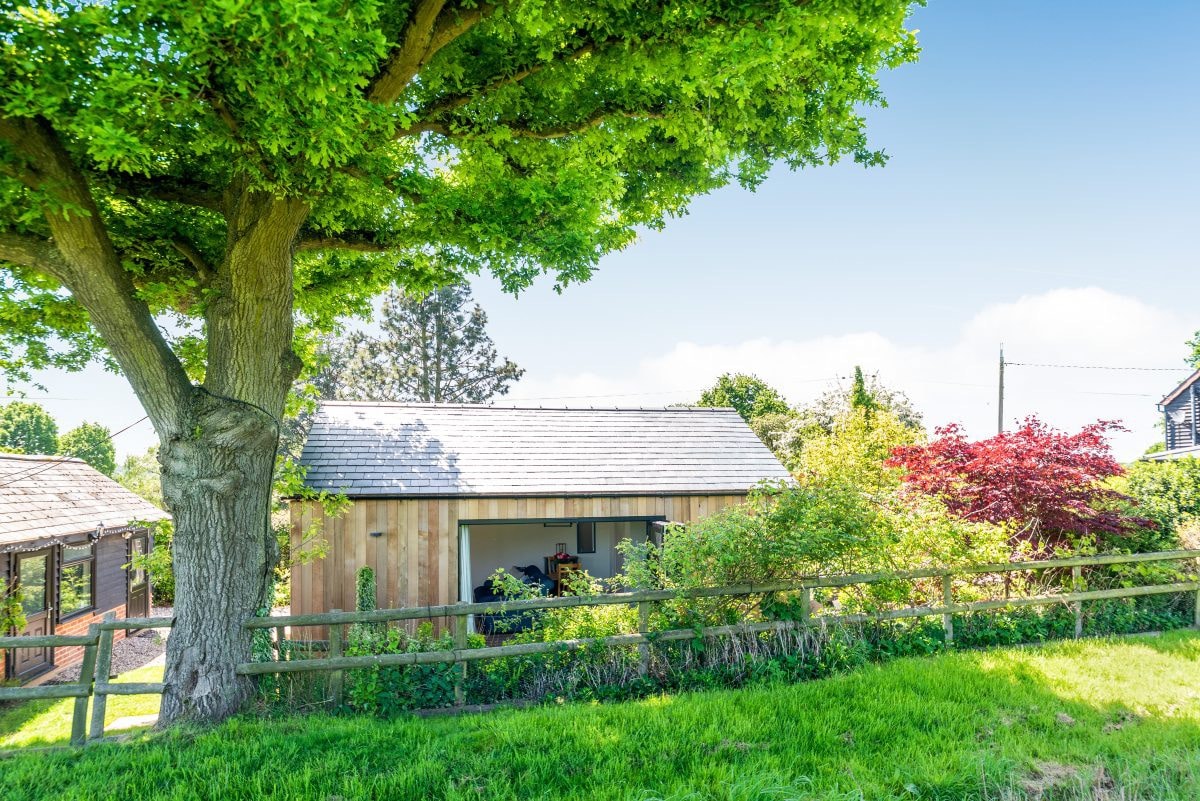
(51, 496)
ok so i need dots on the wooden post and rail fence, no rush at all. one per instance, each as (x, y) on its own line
(94, 683)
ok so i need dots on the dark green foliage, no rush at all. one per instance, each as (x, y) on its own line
(860, 397)
(158, 563)
(365, 590)
(92, 443)
(27, 428)
(1167, 492)
(389, 690)
(749, 394)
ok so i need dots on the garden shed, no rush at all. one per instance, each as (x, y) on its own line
(441, 496)
(67, 534)
(1181, 420)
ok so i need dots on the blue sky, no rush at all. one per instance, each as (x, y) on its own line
(1042, 190)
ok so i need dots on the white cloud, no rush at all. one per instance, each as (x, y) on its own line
(955, 382)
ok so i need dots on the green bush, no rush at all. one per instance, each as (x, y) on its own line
(389, 690)
(1166, 492)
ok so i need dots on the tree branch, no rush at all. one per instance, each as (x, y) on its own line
(457, 101)
(453, 24)
(405, 61)
(522, 130)
(30, 251)
(361, 241)
(190, 252)
(169, 190)
(594, 119)
(88, 266)
(454, 102)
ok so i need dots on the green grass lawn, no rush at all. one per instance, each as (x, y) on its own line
(1117, 719)
(39, 723)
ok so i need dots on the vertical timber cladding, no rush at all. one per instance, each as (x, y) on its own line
(412, 544)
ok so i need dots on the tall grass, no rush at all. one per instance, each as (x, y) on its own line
(1068, 721)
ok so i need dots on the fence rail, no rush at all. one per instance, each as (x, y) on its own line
(336, 663)
(94, 685)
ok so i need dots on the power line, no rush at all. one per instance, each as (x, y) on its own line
(1099, 367)
(27, 473)
(692, 391)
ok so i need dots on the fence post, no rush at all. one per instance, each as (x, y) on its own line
(643, 629)
(280, 634)
(460, 644)
(103, 668)
(336, 678)
(1077, 586)
(948, 601)
(1196, 618)
(87, 672)
(805, 606)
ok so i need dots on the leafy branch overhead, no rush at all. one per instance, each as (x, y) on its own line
(537, 137)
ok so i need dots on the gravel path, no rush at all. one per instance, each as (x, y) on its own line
(128, 654)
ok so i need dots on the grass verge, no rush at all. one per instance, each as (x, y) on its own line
(1099, 719)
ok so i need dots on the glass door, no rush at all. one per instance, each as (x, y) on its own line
(138, 602)
(33, 574)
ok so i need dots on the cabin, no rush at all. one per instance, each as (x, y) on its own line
(1181, 419)
(67, 535)
(442, 496)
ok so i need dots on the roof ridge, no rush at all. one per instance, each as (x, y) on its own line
(33, 457)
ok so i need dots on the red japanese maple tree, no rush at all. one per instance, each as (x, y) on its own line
(1047, 482)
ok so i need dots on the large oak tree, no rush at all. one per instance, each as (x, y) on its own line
(186, 187)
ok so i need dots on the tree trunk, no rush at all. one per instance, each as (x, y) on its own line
(217, 484)
(218, 462)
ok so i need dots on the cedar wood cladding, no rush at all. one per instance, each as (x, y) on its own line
(416, 559)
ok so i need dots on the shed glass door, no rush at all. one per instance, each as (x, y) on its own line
(138, 602)
(33, 574)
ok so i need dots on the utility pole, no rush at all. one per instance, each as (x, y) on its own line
(1000, 405)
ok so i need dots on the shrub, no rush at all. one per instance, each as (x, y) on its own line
(12, 615)
(1166, 492)
(389, 690)
(1047, 484)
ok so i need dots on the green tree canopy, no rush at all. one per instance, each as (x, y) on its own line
(139, 473)
(92, 443)
(749, 394)
(185, 186)
(27, 428)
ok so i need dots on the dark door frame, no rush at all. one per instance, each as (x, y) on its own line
(142, 589)
(46, 615)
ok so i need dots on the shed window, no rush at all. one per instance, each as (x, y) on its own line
(76, 589)
(585, 536)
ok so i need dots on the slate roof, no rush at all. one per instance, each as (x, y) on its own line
(49, 496)
(431, 450)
